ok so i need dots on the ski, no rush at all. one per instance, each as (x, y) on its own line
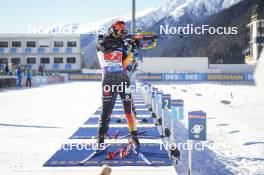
(142, 156)
(140, 132)
(93, 154)
(88, 158)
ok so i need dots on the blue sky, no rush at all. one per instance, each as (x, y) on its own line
(16, 15)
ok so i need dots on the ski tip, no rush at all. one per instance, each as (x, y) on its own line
(142, 156)
(81, 163)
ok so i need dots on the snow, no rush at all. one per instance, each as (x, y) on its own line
(229, 3)
(259, 72)
(201, 7)
(258, 77)
(235, 130)
(35, 122)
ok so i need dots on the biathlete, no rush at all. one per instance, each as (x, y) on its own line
(112, 51)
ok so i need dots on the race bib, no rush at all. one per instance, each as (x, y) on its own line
(113, 56)
(113, 61)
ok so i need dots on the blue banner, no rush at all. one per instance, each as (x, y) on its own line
(197, 125)
(166, 101)
(196, 77)
(184, 77)
(249, 77)
(177, 109)
(150, 77)
(158, 96)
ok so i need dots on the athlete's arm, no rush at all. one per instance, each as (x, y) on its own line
(106, 44)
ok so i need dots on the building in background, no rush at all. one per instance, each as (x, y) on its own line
(52, 52)
(256, 37)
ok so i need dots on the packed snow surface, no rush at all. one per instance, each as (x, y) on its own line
(235, 132)
(35, 122)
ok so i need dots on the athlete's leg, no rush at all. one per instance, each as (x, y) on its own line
(127, 103)
(133, 107)
(113, 103)
(108, 95)
(111, 110)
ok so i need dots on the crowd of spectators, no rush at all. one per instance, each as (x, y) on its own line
(7, 71)
(8, 74)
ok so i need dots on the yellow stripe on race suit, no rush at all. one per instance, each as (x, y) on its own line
(128, 60)
(131, 121)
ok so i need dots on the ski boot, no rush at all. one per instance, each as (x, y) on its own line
(135, 141)
(136, 150)
(100, 143)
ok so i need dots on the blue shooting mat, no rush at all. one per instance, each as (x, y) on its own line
(136, 94)
(133, 97)
(91, 133)
(114, 120)
(136, 102)
(143, 112)
(121, 107)
(154, 152)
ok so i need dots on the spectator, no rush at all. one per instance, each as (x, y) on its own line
(19, 76)
(29, 76)
(6, 69)
(40, 70)
(106, 170)
(1, 70)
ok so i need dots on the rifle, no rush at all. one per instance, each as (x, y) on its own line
(140, 40)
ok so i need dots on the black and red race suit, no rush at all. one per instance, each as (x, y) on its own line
(111, 51)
